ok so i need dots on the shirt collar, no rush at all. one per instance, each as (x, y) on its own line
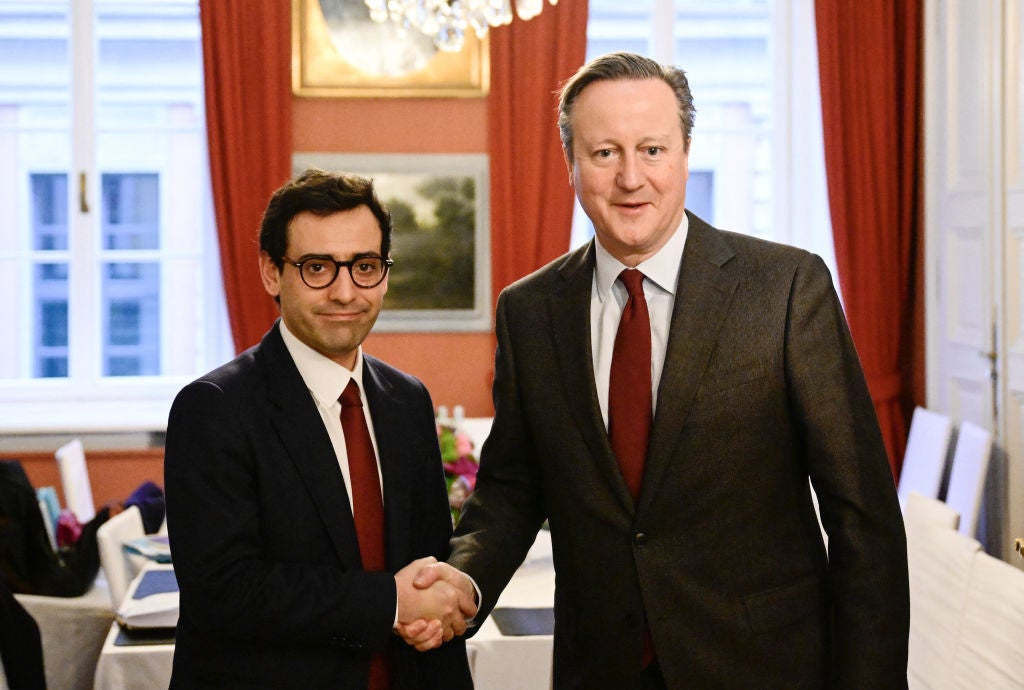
(324, 378)
(662, 268)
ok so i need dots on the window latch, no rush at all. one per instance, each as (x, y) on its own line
(83, 197)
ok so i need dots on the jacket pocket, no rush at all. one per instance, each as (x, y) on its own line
(722, 380)
(782, 606)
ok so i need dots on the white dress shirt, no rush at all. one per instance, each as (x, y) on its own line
(608, 298)
(325, 380)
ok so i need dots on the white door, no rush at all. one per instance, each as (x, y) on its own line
(974, 206)
(1011, 388)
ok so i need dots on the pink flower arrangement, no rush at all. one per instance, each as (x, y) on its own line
(460, 466)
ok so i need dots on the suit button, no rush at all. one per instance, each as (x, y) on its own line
(640, 539)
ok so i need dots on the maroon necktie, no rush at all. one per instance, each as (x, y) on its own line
(367, 505)
(629, 398)
(629, 387)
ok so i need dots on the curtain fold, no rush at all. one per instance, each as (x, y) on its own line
(870, 55)
(247, 73)
(531, 200)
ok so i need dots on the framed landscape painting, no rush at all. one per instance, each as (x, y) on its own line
(441, 279)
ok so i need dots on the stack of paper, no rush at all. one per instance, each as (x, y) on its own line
(153, 546)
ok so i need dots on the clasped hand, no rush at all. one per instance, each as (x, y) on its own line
(434, 601)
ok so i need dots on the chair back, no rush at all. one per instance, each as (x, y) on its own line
(967, 476)
(74, 478)
(118, 565)
(924, 461)
(923, 511)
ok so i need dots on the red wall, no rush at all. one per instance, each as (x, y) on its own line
(113, 474)
(457, 368)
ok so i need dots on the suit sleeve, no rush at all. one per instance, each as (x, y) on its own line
(501, 517)
(850, 473)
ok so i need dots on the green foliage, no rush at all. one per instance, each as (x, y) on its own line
(434, 259)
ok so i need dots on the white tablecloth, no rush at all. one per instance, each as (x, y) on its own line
(136, 667)
(497, 662)
(517, 663)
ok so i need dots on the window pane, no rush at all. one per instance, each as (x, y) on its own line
(151, 154)
(35, 159)
(131, 319)
(725, 48)
(616, 25)
(50, 210)
(50, 325)
(131, 211)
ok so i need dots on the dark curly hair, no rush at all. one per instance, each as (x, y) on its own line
(321, 193)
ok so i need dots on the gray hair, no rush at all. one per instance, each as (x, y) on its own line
(623, 66)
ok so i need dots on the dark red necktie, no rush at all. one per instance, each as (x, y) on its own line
(367, 505)
(629, 387)
(629, 398)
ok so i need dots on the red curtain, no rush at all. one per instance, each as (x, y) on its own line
(870, 55)
(247, 70)
(531, 200)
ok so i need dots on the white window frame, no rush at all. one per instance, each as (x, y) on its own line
(87, 401)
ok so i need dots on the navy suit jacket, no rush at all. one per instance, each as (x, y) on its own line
(721, 556)
(273, 593)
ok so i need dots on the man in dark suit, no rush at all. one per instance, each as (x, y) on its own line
(290, 565)
(688, 555)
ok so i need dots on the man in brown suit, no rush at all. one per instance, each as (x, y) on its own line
(709, 570)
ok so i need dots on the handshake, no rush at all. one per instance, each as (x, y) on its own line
(434, 602)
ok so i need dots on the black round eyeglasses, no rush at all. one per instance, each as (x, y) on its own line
(319, 272)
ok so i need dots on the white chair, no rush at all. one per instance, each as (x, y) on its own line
(923, 511)
(924, 461)
(940, 561)
(990, 649)
(74, 477)
(119, 566)
(967, 477)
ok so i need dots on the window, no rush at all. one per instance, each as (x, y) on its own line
(108, 250)
(756, 162)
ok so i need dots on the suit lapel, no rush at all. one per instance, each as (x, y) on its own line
(569, 310)
(703, 297)
(388, 423)
(298, 425)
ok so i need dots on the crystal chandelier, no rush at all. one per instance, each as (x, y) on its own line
(446, 21)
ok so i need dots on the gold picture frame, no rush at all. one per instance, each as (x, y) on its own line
(339, 52)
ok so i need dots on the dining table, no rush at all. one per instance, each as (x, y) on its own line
(511, 650)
